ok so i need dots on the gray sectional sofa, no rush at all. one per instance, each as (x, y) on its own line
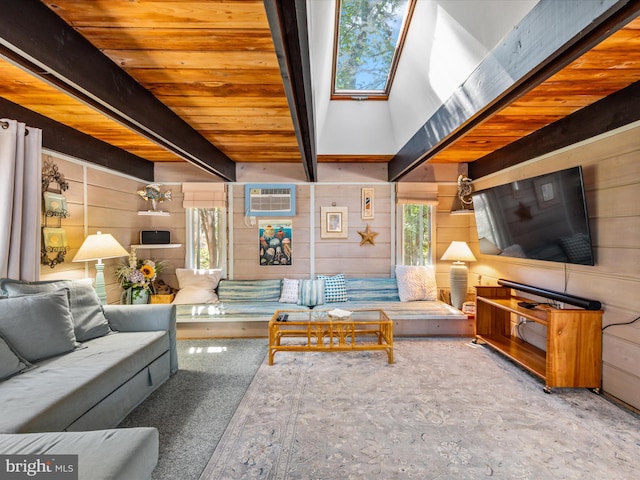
(79, 369)
(245, 307)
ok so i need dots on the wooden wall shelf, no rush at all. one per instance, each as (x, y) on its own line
(573, 356)
(157, 245)
(154, 213)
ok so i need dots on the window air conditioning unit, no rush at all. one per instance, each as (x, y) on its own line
(270, 200)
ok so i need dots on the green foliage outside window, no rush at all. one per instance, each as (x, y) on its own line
(367, 40)
(416, 235)
(206, 238)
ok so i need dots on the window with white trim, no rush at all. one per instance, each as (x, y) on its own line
(416, 231)
(206, 238)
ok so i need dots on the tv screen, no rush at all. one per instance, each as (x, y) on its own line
(540, 218)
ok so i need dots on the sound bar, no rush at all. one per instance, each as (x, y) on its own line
(561, 297)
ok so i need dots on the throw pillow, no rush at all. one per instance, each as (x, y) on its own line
(416, 282)
(197, 285)
(88, 317)
(335, 288)
(311, 292)
(10, 361)
(290, 289)
(38, 326)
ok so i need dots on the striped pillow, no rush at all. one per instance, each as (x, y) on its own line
(335, 288)
(311, 293)
(290, 290)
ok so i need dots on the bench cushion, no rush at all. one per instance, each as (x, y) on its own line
(249, 290)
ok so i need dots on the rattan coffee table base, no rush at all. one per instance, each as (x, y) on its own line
(365, 329)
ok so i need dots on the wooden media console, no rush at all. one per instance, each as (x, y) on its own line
(573, 356)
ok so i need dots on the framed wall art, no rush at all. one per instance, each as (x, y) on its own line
(367, 203)
(334, 222)
(275, 242)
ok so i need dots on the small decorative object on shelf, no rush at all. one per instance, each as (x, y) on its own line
(153, 194)
(137, 278)
(54, 206)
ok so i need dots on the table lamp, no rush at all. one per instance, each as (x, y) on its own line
(97, 247)
(459, 252)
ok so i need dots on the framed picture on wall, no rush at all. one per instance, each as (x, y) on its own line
(367, 203)
(333, 222)
(275, 242)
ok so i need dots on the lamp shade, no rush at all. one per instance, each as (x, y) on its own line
(99, 246)
(458, 252)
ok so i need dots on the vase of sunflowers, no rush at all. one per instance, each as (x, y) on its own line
(136, 277)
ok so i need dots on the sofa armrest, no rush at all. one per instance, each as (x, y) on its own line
(145, 318)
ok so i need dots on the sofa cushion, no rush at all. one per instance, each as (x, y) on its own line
(197, 285)
(335, 288)
(11, 363)
(88, 317)
(416, 282)
(62, 389)
(290, 290)
(249, 290)
(311, 292)
(38, 326)
(125, 453)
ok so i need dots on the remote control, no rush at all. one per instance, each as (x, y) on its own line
(528, 305)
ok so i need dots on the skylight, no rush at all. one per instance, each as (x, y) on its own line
(369, 38)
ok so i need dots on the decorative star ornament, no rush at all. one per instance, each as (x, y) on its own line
(367, 236)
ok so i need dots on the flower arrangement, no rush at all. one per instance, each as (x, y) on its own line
(138, 275)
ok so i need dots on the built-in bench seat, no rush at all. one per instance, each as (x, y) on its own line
(246, 306)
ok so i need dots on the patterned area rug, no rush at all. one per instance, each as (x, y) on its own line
(444, 409)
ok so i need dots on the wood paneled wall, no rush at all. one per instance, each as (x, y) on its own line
(112, 204)
(612, 179)
(311, 253)
(99, 200)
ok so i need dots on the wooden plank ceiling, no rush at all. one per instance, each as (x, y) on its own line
(214, 64)
(609, 67)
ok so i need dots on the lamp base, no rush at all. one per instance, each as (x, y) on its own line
(458, 276)
(100, 290)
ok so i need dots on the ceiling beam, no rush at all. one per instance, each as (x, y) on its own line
(35, 38)
(550, 37)
(288, 23)
(63, 139)
(614, 111)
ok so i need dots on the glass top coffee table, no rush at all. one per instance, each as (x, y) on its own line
(330, 330)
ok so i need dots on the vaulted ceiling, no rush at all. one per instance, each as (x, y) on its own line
(213, 83)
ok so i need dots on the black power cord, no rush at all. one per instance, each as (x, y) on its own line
(623, 323)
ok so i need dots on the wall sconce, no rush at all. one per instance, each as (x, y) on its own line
(463, 203)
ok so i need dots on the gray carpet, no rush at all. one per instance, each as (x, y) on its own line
(192, 409)
(447, 409)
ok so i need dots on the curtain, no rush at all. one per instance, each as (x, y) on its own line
(416, 193)
(20, 197)
(204, 195)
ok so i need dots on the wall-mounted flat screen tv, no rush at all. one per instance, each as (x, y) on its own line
(540, 218)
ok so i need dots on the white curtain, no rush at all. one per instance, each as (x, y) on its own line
(20, 197)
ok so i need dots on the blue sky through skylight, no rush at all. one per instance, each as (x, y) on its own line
(368, 34)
